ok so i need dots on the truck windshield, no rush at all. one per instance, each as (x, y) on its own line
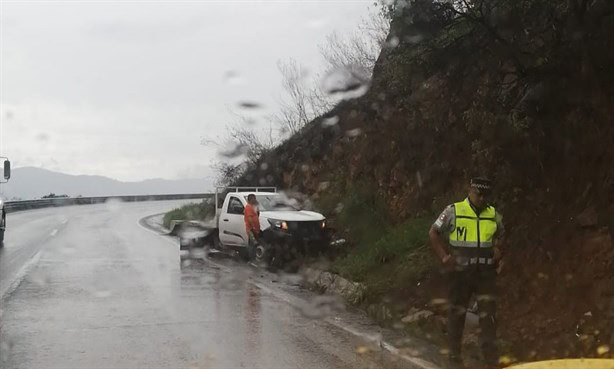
(273, 202)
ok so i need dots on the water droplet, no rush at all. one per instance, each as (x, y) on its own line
(39, 278)
(304, 167)
(414, 352)
(323, 306)
(505, 360)
(331, 121)
(249, 105)
(43, 137)
(234, 150)
(353, 132)
(345, 83)
(198, 253)
(361, 350)
(68, 250)
(339, 208)
(393, 42)
(102, 294)
(603, 349)
(414, 39)
(284, 131)
(315, 23)
(264, 166)
(233, 281)
(398, 325)
(233, 78)
(113, 204)
(292, 279)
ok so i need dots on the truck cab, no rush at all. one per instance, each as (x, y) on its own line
(282, 222)
(7, 176)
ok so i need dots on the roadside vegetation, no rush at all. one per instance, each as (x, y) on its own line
(201, 211)
(382, 253)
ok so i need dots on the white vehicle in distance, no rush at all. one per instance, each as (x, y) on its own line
(7, 176)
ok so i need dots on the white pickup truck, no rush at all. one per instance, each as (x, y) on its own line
(287, 231)
(7, 176)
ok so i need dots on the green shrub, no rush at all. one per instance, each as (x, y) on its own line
(359, 214)
(405, 241)
(199, 211)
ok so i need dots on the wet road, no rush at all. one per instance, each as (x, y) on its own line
(88, 287)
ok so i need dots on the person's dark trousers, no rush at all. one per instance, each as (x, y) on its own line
(251, 245)
(478, 280)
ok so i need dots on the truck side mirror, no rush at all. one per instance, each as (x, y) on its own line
(7, 170)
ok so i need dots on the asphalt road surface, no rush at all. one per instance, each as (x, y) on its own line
(89, 287)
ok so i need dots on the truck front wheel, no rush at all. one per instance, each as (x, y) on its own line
(260, 252)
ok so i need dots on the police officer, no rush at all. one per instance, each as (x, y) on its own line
(464, 238)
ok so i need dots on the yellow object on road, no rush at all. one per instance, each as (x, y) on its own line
(568, 364)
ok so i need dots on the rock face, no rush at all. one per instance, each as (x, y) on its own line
(331, 283)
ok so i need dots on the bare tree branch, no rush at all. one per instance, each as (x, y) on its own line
(303, 99)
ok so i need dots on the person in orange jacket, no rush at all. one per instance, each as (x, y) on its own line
(251, 215)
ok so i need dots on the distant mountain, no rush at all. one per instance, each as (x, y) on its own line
(33, 183)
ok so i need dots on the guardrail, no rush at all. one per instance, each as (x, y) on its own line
(12, 206)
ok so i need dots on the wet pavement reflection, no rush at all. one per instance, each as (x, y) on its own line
(105, 292)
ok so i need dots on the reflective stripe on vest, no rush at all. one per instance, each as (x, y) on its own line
(472, 230)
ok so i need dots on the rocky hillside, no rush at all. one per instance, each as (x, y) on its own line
(521, 91)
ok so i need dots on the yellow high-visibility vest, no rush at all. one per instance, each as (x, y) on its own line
(473, 230)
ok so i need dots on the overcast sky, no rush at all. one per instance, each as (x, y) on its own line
(127, 89)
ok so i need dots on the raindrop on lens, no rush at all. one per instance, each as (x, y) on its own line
(249, 105)
(345, 83)
(353, 132)
(331, 121)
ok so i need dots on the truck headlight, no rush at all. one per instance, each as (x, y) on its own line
(279, 224)
(323, 225)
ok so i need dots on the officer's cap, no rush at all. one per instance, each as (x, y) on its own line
(483, 185)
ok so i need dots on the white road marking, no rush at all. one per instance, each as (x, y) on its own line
(20, 275)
